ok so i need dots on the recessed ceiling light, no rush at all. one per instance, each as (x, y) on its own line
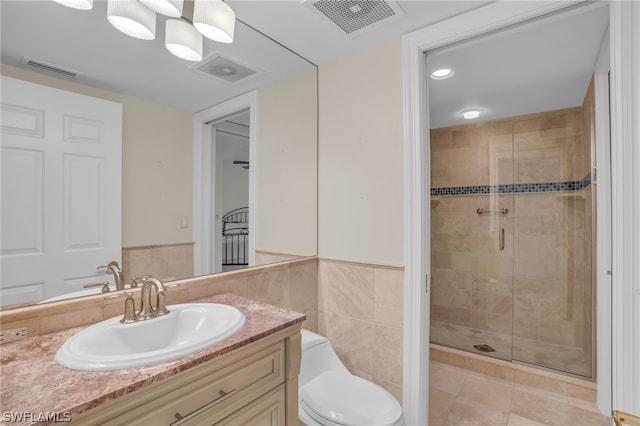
(470, 114)
(442, 74)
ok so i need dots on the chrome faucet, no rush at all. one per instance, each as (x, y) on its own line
(114, 269)
(147, 310)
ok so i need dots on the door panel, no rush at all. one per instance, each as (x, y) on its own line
(61, 190)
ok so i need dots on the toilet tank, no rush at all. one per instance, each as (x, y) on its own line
(318, 356)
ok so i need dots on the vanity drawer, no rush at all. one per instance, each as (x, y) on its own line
(209, 394)
(269, 410)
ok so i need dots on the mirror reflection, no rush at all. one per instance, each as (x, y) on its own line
(160, 96)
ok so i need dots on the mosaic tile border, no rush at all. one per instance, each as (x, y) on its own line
(515, 188)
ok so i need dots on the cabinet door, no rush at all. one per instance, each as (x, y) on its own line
(268, 410)
(199, 397)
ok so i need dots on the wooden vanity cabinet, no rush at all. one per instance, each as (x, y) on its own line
(256, 384)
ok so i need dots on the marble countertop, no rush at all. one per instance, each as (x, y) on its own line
(33, 384)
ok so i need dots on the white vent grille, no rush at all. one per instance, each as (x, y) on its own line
(356, 16)
(226, 69)
(48, 67)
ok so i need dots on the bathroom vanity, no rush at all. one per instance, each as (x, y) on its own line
(250, 378)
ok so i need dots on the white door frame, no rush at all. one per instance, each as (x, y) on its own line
(624, 30)
(203, 182)
(601, 179)
(624, 22)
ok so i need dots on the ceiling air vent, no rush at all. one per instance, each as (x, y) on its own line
(357, 16)
(224, 68)
(49, 68)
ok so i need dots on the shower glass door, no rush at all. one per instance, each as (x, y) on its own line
(511, 238)
(552, 282)
(472, 237)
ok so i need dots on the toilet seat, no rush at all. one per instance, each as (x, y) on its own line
(341, 399)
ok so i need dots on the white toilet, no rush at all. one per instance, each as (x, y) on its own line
(330, 395)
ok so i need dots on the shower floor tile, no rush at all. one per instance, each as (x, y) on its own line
(461, 397)
(569, 359)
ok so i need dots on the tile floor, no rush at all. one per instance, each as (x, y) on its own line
(459, 397)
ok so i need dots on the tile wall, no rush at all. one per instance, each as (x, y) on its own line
(266, 257)
(292, 285)
(360, 309)
(165, 262)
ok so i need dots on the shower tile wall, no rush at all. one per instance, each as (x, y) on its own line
(532, 301)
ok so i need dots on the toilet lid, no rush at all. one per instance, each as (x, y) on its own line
(344, 399)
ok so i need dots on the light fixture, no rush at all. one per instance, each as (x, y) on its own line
(470, 114)
(172, 8)
(442, 74)
(77, 4)
(132, 18)
(183, 40)
(214, 19)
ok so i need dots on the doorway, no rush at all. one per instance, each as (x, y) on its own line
(231, 185)
(208, 203)
(417, 209)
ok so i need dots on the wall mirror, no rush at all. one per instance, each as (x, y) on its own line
(160, 92)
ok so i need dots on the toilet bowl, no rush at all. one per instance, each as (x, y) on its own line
(330, 395)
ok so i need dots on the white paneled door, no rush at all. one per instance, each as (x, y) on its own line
(61, 155)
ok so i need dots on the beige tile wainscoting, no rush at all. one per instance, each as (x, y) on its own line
(163, 261)
(291, 285)
(360, 309)
(266, 257)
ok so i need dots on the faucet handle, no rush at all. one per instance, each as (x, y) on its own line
(129, 309)
(104, 284)
(110, 267)
(138, 280)
(129, 306)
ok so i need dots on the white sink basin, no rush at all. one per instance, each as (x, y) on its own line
(188, 328)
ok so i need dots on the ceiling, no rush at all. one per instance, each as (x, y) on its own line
(542, 65)
(85, 42)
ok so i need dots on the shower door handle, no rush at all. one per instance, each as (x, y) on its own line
(501, 242)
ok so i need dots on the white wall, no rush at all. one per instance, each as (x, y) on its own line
(287, 141)
(361, 156)
(157, 163)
